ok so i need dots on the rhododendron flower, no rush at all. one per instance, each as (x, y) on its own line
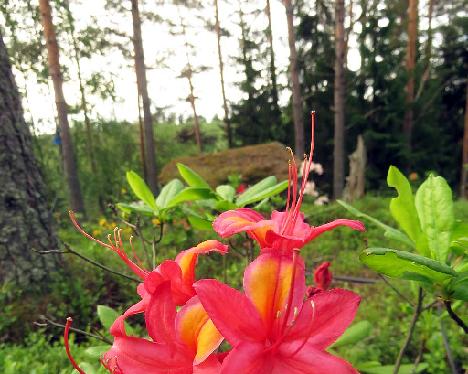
(270, 326)
(322, 279)
(284, 231)
(182, 342)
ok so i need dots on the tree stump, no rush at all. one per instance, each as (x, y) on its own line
(356, 181)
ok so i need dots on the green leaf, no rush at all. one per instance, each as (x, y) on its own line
(191, 194)
(256, 189)
(140, 189)
(354, 334)
(168, 192)
(264, 194)
(377, 368)
(226, 192)
(192, 178)
(458, 288)
(403, 209)
(96, 351)
(390, 232)
(406, 265)
(435, 210)
(136, 207)
(459, 237)
(107, 316)
(199, 223)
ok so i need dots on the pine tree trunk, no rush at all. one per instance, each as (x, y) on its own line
(227, 120)
(25, 221)
(339, 147)
(464, 171)
(69, 161)
(274, 84)
(142, 86)
(296, 87)
(196, 122)
(410, 65)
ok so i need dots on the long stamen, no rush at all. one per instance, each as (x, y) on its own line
(291, 288)
(308, 334)
(67, 345)
(288, 202)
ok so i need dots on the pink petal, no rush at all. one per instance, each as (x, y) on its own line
(309, 360)
(160, 315)
(324, 317)
(235, 221)
(210, 366)
(231, 311)
(247, 358)
(355, 225)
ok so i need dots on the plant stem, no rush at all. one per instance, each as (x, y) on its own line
(396, 290)
(457, 319)
(450, 360)
(416, 314)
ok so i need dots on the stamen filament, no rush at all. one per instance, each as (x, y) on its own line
(67, 345)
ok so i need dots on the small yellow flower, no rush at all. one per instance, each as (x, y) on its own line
(97, 232)
(102, 222)
(156, 221)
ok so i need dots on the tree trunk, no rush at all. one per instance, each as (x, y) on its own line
(142, 86)
(410, 65)
(296, 87)
(227, 120)
(464, 171)
(69, 161)
(191, 99)
(25, 221)
(339, 147)
(274, 84)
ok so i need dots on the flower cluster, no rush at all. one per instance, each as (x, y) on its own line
(275, 325)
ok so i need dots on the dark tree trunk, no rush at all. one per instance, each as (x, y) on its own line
(227, 120)
(339, 148)
(25, 221)
(53, 60)
(140, 70)
(464, 171)
(274, 84)
(296, 87)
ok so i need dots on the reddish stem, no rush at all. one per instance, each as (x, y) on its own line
(67, 345)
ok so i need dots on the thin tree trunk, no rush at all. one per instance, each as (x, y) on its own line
(410, 65)
(142, 86)
(339, 147)
(25, 221)
(84, 104)
(69, 161)
(227, 120)
(274, 84)
(464, 171)
(142, 137)
(427, 70)
(296, 87)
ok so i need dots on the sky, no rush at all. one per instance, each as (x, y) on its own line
(165, 88)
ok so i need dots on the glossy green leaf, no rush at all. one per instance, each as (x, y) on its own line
(256, 189)
(226, 192)
(458, 288)
(199, 223)
(354, 334)
(459, 237)
(406, 265)
(390, 232)
(168, 192)
(191, 177)
(191, 194)
(136, 207)
(107, 316)
(435, 210)
(403, 209)
(141, 189)
(264, 194)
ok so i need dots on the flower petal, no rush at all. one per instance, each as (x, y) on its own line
(247, 358)
(355, 225)
(210, 366)
(324, 317)
(267, 283)
(231, 311)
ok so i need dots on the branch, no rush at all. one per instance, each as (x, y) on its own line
(457, 319)
(396, 290)
(47, 321)
(453, 368)
(407, 342)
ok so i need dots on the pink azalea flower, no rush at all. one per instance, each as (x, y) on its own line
(181, 342)
(286, 230)
(270, 326)
(322, 279)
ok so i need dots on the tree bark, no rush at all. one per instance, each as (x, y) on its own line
(53, 60)
(191, 99)
(339, 147)
(227, 120)
(464, 171)
(274, 84)
(296, 87)
(25, 220)
(410, 65)
(142, 86)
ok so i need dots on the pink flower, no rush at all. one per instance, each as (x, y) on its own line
(284, 231)
(270, 326)
(322, 278)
